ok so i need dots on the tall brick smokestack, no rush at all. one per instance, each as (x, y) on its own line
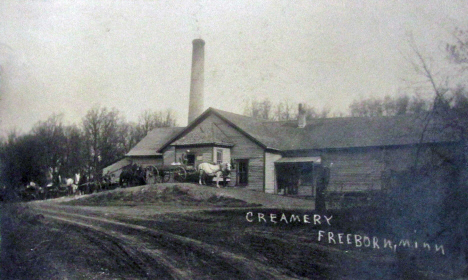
(197, 80)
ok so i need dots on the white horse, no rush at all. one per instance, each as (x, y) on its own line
(72, 184)
(212, 170)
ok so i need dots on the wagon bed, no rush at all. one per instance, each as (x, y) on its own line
(164, 173)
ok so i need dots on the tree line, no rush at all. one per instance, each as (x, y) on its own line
(368, 107)
(102, 138)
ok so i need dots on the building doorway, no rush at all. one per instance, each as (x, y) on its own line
(242, 172)
(295, 178)
(190, 160)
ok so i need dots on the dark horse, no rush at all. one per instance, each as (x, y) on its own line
(132, 175)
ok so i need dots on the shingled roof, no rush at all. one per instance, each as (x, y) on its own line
(343, 132)
(116, 166)
(154, 140)
(199, 136)
(324, 133)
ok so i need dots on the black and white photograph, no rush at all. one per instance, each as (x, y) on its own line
(204, 139)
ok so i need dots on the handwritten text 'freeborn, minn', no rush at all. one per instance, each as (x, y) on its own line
(330, 237)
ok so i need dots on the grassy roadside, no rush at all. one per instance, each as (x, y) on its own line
(19, 256)
(290, 245)
(160, 195)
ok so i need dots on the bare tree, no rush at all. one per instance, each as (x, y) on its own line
(131, 135)
(458, 51)
(19, 160)
(370, 107)
(284, 111)
(388, 106)
(103, 138)
(149, 120)
(52, 142)
(312, 113)
(74, 157)
(396, 106)
(259, 109)
(434, 194)
(281, 111)
(104, 143)
(50, 145)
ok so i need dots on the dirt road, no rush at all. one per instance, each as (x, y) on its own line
(199, 241)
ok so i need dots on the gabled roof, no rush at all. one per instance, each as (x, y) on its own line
(116, 166)
(254, 129)
(350, 132)
(153, 141)
(367, 132)
(325, 133)
(260, 131)
(209, 136)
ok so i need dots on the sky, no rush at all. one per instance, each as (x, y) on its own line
(70, 56)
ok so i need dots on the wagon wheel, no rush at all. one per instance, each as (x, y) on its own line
(180, 174)
(152, 175)
(126, 183)
(165, 176)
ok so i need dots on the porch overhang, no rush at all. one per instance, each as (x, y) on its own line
(203, 144)
(317, 160)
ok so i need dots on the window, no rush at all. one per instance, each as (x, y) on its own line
(219, 156)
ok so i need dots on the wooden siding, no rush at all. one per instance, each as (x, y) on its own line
(351, 169)
(169, 155)
(256, 175)
(271, 185)
(202, 154)
(402, 158)
(361, 169)
(243, 148)
(146, 161)
(354, 170)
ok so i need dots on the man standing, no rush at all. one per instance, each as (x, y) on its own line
(322, 184)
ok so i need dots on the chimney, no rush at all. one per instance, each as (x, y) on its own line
(197, 79)
(301, 116)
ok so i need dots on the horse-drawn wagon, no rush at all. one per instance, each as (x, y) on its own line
(134, 174)
(164, 173)
(32, 191)
(187, 173)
